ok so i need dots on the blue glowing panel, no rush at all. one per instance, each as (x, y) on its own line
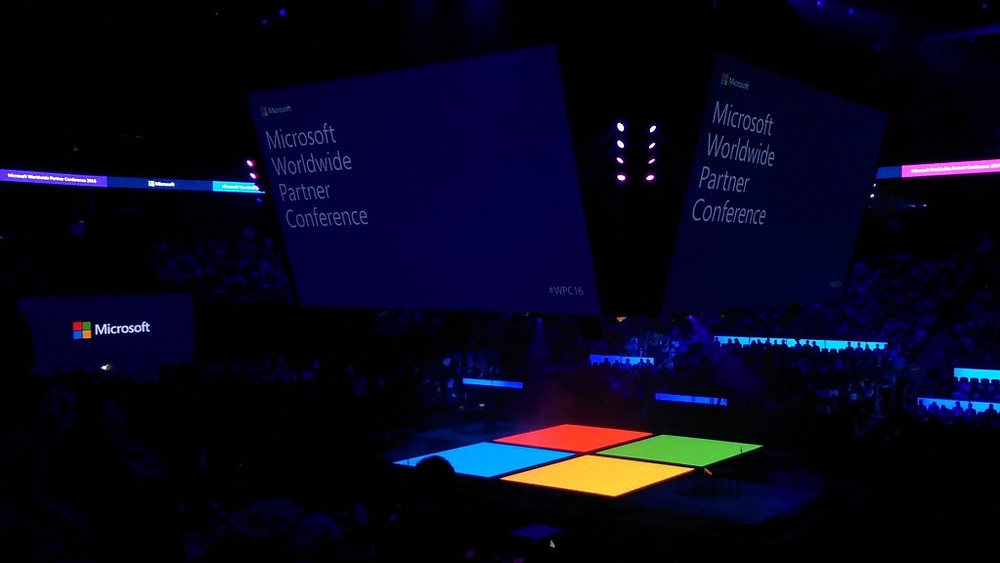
(492, 383)
(948, 403)
(822, 344)
(974, 373)
(488, 459)
(692, 399)
(624, 360)
(236, 187)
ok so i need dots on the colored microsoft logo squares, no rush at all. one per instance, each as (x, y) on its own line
(595, 460)
(574, 437)
(81, 330)
(605, 476)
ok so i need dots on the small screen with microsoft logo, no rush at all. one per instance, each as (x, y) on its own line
(129, 335)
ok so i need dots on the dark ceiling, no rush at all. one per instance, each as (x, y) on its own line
(160, 87)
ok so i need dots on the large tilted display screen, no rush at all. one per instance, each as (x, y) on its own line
(778, 186)
(449, 186)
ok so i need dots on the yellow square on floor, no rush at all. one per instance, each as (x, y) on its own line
(599, 475)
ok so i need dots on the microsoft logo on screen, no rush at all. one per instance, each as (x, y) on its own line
(268, 110)
(85, 330)
(728, 80)
(82, 330)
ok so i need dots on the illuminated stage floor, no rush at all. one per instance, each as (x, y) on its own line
(621, 488)
(829, 489)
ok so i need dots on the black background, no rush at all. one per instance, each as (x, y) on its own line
(160, 89)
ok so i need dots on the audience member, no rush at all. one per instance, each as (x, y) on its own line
(279, 514)
(428, 525)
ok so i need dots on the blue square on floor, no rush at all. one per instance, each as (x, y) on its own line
(490, 459)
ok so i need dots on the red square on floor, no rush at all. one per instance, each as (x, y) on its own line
(574, 437)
